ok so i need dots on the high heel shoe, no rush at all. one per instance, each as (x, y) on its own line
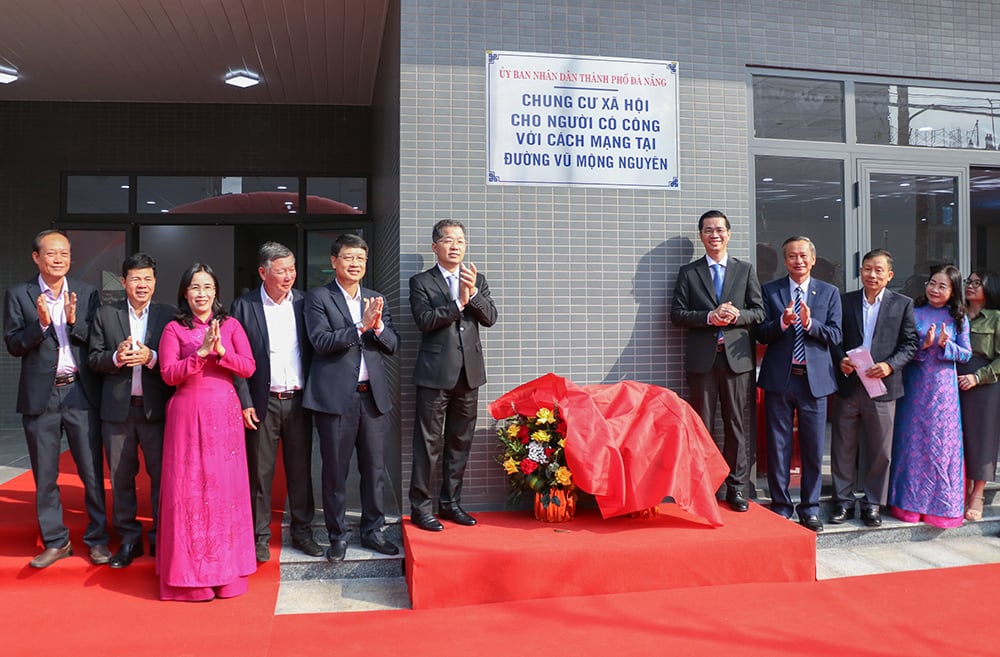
(975, 510)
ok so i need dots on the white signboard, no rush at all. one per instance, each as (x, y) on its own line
(581, 121)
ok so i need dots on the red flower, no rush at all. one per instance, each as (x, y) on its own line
(561, 428)
(524, 434)
(528, 466)
(548, 451)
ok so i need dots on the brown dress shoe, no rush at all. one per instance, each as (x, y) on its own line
(100, 555)
(51, 555)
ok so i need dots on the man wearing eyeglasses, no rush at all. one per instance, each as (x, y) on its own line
(449, 302)
(348, 391)
(882, 322)
(717, 299)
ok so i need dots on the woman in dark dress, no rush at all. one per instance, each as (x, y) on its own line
(979, 397)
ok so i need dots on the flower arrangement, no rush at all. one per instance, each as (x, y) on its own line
(532, 453)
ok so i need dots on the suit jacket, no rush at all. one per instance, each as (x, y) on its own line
(824, 333)
(248, 310)
(110, 327)
(894, 340)
(39, 350)
(694, 298)
(449, 337)
(336, 362)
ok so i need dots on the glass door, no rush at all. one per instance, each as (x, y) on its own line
(918, 213)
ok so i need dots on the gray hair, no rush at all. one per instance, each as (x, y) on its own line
(799, 238)
(272, 251)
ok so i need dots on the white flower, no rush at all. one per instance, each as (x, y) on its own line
(536, 452)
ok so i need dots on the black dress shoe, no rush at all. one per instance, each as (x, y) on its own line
(737, 502)
(263, 551)
(426, 521)
(455, 513)
(378, 543)
(152, 549)
(871, 517)
(308, 546)
(337, 551)
(812, 522)
(841, 514)
(125, 555)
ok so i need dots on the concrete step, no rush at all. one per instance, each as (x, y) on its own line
(360, 563)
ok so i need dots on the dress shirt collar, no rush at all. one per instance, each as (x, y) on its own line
(723, 262)
(268, 301)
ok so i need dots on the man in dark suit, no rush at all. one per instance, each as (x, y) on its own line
(718, 299)
(272, 398)
(348, 391)
(801, 324)
(46, 324)
(880, 321)
(449, 302)
(124, 340)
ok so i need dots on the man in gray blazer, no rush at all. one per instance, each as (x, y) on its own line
(717, 298)
(46, 324)
(881, 321)
(124, 340)
(449, 302)
(273, 318)
(348, 391)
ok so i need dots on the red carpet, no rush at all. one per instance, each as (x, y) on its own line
(520, 558)
(76, 609)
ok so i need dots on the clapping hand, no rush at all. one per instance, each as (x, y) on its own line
(466, 283)
(371, 318)
(212, 341)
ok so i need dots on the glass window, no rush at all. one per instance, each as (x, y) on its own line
(319, 269)
(97, 259)
(914, 217)
(800, 196)
(798, 108)
(901, 115)
(97, 194)
(217, 195)
(336, 195)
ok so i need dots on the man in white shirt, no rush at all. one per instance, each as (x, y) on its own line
(124, 340)
(272, 317)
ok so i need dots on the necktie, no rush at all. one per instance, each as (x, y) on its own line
(453, 286)
(799, 348)
(717, 280)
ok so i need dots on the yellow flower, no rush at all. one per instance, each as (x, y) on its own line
(510, 466)
(512, 430)
(562, 442)
(563, 476)
(545, 416)
(541, 436)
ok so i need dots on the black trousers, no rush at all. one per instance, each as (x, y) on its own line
(290, 424)
(444, 427)
(122, 441)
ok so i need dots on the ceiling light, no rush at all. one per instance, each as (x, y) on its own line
(7, 75)
(242, 79)
(925, 128)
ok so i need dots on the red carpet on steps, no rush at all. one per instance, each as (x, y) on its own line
(78, 610)
(518, 558)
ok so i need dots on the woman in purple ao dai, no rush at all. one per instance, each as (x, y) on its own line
(927, 480)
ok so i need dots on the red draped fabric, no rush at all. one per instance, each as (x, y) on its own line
(629, 444)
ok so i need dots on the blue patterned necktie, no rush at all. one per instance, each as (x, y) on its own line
(717, 280)
(799, 348)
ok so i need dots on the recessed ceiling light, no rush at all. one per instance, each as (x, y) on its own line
(7, 75)
(925, 128)
(282, 187)
(242, 79)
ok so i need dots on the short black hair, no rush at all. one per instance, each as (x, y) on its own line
(712, 214)
(138, 260)
(348, 240)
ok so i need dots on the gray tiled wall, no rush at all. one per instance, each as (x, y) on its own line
(583, 277)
